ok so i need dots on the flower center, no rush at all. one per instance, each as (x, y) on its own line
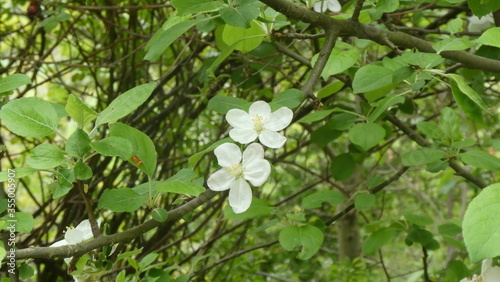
(258, 123)
(236, 170)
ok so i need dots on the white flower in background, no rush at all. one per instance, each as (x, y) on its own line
(236, 170)
(259, 122)
(80, 233)
(480, 24)
(332, 5)
(489, 273)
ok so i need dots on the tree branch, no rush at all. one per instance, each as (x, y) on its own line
(422, 142)
(324, 54)
(125, 236)
(401, 40)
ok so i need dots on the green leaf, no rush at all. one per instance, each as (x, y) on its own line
(162, 39)
(20, 173)
(226, 51)
(194, 159)
(314, 201)
(371, 77)
(25, 271)
(19, 221)
(29, 117)
(78, 144)
(455, 25)
(82, 171)
(258, 208)
(3, 252)
(65, 178)
(423, 60)
(245, 39)
(480, 159)
(366, 135)
(338, 61)
(290, 98)
(342, 167)
(467, 106)
(80, 112)
(419, 219)
(382, 105)
(13, 81)
(242, 15)
(401, 74)
(423, 237)
(316, 116)
(128, 254)
(308, 236)
(121, 200)
(186, 7)
(481, 225)
(342, 121)
(483, 7)
(125, 103)
(143, 147)
(422, 156)
(324, 135)
(467, 90)
(184, 174)
(148, 260)
(159, 214)
(450, 124)
(330, 89)
(222, 104)
(180, 187)
(387, 6)
(450, 229)
(45, 156)
(490, 37)
(364, 201)
(377, 240)
(114, 147)
(449, 44)
(431, 129)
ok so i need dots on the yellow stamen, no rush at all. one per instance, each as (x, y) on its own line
(236, 170)
(258, 123)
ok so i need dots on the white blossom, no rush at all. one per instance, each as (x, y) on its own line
(259, 122)
(80, 233)
(489, 273)
(480, 24)
(331, 5)
(236, 170)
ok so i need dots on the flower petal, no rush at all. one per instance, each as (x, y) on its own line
(82, 232)
(489, 272)
(240, 196)
(272, 139)
(239, 119)
(60, 243)
(257, 172)
(279, 119)
(243, 135)
(74, 236)
(220, 180)
(334, 6)
(320, 6)
(228, 154)
(260, 108)
(254, 151)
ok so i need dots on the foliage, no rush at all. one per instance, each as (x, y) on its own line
(111, 110)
